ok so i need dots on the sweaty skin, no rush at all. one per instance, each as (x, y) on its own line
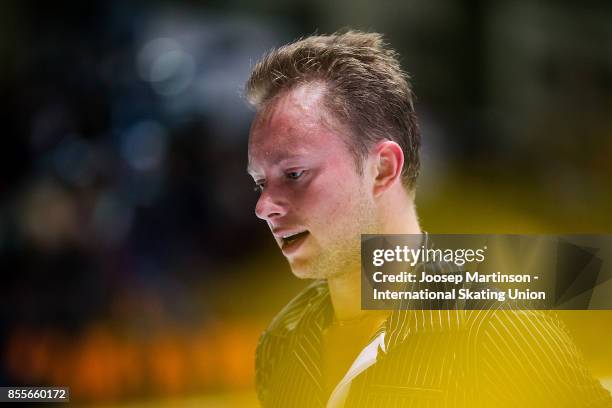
(309, 182)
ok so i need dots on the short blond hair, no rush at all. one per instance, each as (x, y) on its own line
(366, 89)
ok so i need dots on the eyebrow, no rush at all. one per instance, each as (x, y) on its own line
(250, 171)
(289, 156)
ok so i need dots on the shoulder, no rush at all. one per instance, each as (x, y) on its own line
(275, 340)
(528, 356)
(520, 327)
(524, 336)
(287, 319)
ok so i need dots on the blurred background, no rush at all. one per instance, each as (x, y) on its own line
(133, 268)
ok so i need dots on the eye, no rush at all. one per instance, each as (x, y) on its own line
(294, 175)
(258, 188)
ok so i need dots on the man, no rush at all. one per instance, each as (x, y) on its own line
(334, 153)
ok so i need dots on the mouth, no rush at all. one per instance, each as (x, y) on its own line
(290, 243)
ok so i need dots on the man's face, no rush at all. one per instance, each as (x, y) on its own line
(311, 194)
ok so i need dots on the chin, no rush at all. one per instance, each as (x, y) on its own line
(303, 272)
(303, 269)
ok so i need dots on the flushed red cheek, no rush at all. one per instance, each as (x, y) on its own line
(328, 212)
(326, 195)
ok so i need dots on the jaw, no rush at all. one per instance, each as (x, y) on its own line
(327, 263)
(302, 268)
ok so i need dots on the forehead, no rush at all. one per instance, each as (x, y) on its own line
(295, 124)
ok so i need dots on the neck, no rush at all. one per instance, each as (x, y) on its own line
(345, 292)
(345, 288)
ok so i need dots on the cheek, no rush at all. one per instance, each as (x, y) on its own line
(329, 200)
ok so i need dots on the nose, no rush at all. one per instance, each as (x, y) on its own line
(269, 207)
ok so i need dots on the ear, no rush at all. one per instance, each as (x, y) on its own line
(389, 162)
